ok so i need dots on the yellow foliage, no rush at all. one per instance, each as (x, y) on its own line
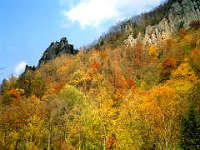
(34, 99)
(94, 56)
(198, 43)
(184, 72)
(166, 99)
(153, 51)
(62, 69)
(195, 57)
(181, 86)
(182, 79)
(79, 78)
(152, 115)
(135, 98)
(14, 135)
(188, 38)
(32, 147)
(186, 60)
(34, 127)
(161, 111)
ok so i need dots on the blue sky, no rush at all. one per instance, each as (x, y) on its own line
(27, 27)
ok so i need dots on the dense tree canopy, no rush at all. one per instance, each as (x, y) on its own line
(110, 98)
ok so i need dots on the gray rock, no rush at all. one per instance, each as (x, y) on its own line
(181, 14)
(56, 49)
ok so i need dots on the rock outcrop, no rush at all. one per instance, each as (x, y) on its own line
(181, 14)
(56, 49)
(29, 68)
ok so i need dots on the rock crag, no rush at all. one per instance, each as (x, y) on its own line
(56, 49)
(181, 14)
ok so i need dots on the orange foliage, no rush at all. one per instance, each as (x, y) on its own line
(26, 81)
(131, 83)
(138, 50)
(111, 142)
(15, 93)
(136, 61)
(169, 63)
(95, 66)
(196, 52)
(121, 81)
(182, 31)
(139, 45)
(58, 87)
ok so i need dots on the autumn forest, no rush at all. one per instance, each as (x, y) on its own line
(108, 97)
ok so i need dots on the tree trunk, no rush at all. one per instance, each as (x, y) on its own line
(79, 129)
(49, 137)
(4, 139)
(16, 145)
(79, 141)
(104, 143)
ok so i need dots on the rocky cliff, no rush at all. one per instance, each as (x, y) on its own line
(56, 49)
(181, 14)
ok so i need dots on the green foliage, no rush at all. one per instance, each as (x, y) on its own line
(194, 96)
(190, 131)
(71, 95)
(195, 60)
(190, 128)
(32, 83)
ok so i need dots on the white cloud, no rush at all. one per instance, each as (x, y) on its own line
(20, 68)
(66, 3)
(96, 12)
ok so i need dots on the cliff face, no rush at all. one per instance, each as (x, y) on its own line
(56, 49)
(181, 14)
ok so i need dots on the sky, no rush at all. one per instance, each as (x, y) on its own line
(27, 27)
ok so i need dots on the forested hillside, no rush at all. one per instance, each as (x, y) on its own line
(110, 97)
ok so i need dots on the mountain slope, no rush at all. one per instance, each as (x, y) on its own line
(113, 96)
(155, 25)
